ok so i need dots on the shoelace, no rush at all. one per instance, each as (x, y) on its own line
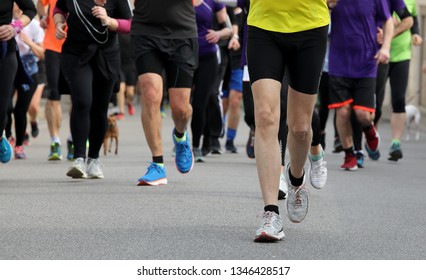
(297, 194)
(267, 216)
(181, 146)
(318, 166)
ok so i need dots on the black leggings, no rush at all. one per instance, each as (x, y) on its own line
(53, 73)
(8, 67)
(204, 78)
(20, 110)
(90, 95)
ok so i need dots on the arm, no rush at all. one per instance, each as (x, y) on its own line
(36, 48)
(405, 23)
(417, 39)
(9, 31)
(383, 54)
(44, 18)
(113, 24)
(59, 18)
(226, 32)
(230, 3)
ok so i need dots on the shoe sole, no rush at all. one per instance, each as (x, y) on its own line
(350, 169)
(95, 176)
(55, 157)
(152, 183)
(76, 173)
(264, 237)
(395, 156)
(216, 152)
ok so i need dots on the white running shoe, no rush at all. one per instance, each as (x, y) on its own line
(78, 169)
(271, 228)
(297, 199)
(94, 170)
(318, 172)
(283, 190)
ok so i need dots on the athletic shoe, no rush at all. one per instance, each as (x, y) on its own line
(230, 147)
(94, 170)
(372, 143)
(19, 152)
(318, 172)
(131, 109)
(283, 189)
(78, 169)
(297, 199)
(205, 149)
(395, 152)
(26, 139)
(70, 149)
(155, 175)
(198, 155)
(5, 150)
(350, 163)
(359, 159)
(250, 144)
(55, 152)
(215, 146)
(34, 129)
(271, 228)
(11, 141)
(337, 146)
(184, 159)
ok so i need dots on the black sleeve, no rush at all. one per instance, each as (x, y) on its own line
(28, 8)
(123, 10)
(415, 28)
(62, 5)
(403, 13)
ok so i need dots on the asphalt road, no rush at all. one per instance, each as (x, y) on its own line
(211, 213)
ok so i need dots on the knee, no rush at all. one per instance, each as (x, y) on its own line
(265, 119)
(299, 131)
(344, 113)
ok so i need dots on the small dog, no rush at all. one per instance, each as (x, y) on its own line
(111, 134)
(413, 116)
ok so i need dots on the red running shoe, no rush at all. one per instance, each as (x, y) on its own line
(350, 163)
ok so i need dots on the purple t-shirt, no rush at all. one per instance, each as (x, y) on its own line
(204, 15)
(394, 6)
(353, 37)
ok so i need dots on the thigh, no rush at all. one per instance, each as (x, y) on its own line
(364, 94)
(340, 92)
(305, 59)
(265, 56)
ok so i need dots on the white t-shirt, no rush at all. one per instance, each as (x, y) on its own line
(35, 32)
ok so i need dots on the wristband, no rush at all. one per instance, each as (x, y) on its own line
(236, 36)
(17, 26)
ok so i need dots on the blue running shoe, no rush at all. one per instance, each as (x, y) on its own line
(155, 175)
(184, 159)
(55, 152)
(5, 150)
(70, 146)
(359, 159)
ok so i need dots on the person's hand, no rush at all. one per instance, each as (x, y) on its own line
(212, 36)
(380, 36)
(44, 22)
(234, 43)
(60, 31)
(382, 56)
(417, 40)
(7, 32)
(332, 3)
(25, 38)
(100, 13)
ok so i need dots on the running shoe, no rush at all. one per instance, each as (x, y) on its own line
(78, 169)
(26, 139)
(230, 147)
(131, 109)
(34, 129)
(318, 172)
(184, 159)
(337, 145)
(55, 152)
(205, 149)
(283, 189)
(372, 143)
(70, 149)
(271, 228)
(198, 155)
(19, 152)
(155, 175)
(94, 170)
(297, 199)
(215, 146)
(5, 150)
(250, 144)
(359, 159)
(395, 152)
(350, 163)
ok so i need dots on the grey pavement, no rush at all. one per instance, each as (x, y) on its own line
(211, 213)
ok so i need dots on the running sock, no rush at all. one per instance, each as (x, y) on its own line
(158, 160)
(231, 133)
(295, 182)
(349, 151)
(179, 137)
(395, 141)
(272, 208)
(318, 156)
(55, 139)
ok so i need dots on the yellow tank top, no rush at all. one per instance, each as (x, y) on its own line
(288, 16)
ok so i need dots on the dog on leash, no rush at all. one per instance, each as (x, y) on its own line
(111, 134)
(413, 117)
